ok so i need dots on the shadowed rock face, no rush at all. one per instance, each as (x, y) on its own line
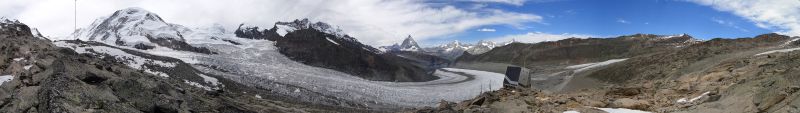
(321, 45)
(255, 33)
(313, 47)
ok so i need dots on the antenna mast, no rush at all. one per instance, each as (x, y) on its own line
(75, 16)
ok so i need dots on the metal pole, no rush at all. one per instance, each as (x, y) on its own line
(75, 16)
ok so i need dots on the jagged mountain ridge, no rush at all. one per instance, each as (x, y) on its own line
(320, 44)
(456, 48)
(409, 44)
(576, 50)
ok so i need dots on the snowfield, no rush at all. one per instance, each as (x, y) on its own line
(258, 63)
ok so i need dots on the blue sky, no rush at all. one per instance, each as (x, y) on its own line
(608, 18)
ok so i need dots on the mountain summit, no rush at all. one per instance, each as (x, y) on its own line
(409, 44)
(138, 28)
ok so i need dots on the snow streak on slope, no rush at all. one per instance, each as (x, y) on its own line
(778, 51)
(587, 66)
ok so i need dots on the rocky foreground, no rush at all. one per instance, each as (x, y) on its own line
(745, 75)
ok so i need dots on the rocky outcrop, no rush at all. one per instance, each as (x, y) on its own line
(254, 32)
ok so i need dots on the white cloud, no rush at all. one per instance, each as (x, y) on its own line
(623, 21)
(511, 2)
(486, 30)
(374, 22)
(729, 24)
(535, 37)
(780, 15)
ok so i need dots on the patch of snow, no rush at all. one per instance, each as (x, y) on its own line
(587, 66)
(258, 96)
(6, 78)
(684, 100)
(672, 36)
(622, 110)
(133, 61)
(790, 41)
(18, 59)
(283, 29)
(571, 112)
(28, 67)
(161, 74)
(329, 40)
(198, 85)
(210, 80)
(778, 51)
(410, 49)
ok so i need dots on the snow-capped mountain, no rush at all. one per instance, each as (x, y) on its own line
(454, 49)
(322, 45)
(138, 28)
(409, 44)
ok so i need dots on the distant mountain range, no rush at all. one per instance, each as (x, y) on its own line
(449, 51)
